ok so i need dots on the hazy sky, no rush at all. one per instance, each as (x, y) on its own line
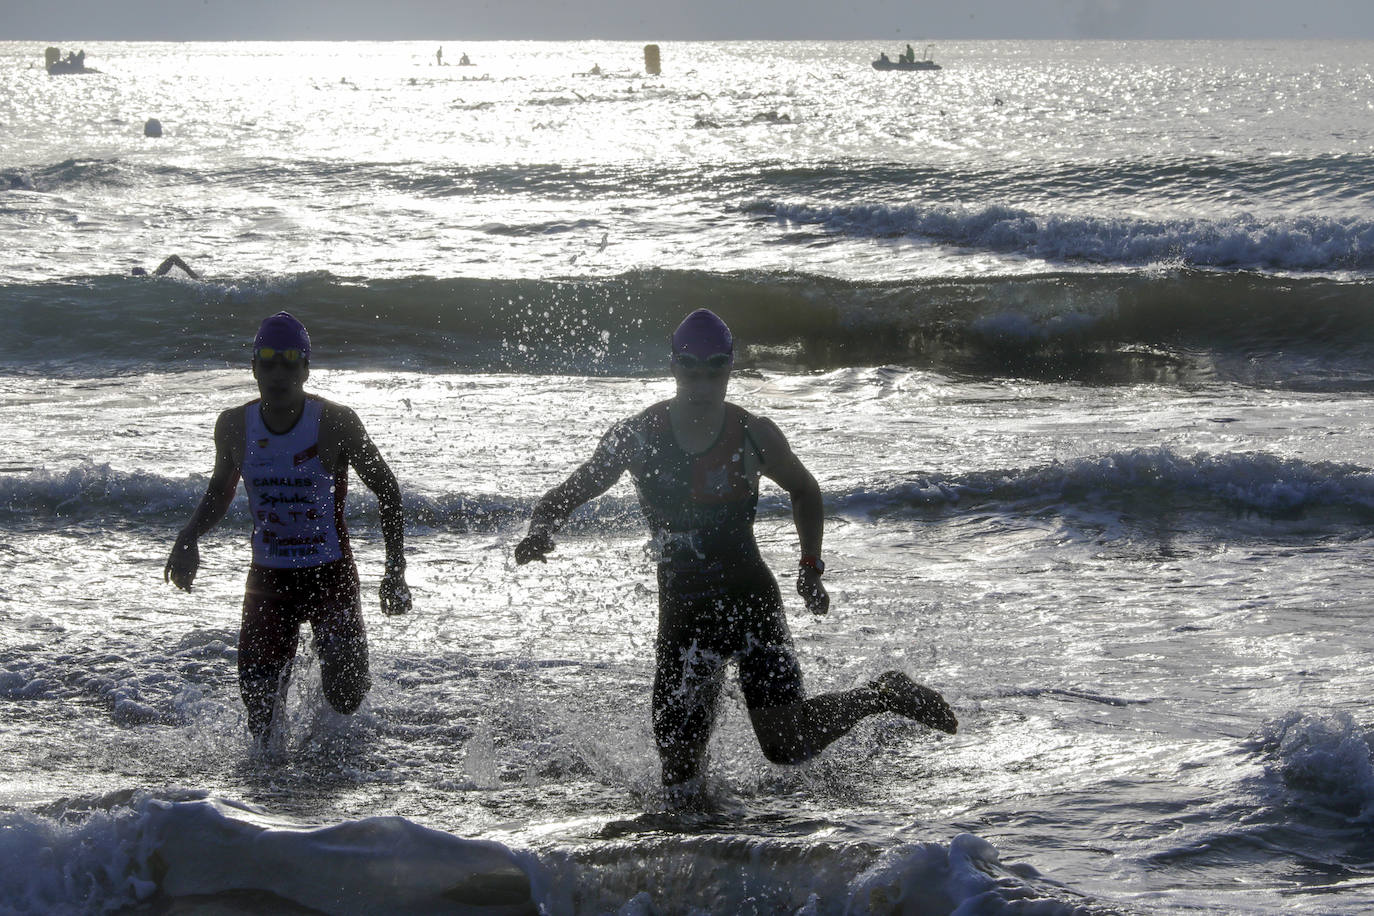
(666, 20)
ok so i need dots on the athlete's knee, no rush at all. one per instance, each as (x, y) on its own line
(345, 690)
(786, 754)
(344, 672)
(347, 703)
(781, 734)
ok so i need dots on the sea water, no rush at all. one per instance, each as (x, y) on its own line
(1076, 337)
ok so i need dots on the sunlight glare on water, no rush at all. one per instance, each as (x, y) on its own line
(1072, 335)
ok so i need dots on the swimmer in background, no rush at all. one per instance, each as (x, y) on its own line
(167, 264)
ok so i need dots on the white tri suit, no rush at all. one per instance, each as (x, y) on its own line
(302, 569)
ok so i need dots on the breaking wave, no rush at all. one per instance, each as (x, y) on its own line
(1225, 484)
(1173, 326)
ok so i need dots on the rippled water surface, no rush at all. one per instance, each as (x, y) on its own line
(1074, 337)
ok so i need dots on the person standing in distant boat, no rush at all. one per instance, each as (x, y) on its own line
(167, 264)
(293, 451)
(696, 461)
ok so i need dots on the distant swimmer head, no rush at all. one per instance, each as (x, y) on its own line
(138, 272)
(701, 336)
(282, 333)
(152, 128)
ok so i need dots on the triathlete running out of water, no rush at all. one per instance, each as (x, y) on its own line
(293, 451)
(696, 460)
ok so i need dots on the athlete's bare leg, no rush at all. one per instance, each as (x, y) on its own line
(796, 733)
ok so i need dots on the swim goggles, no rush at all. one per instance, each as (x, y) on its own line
(715, 362)
(287, 356)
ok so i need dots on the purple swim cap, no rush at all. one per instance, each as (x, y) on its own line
(283, 332)
(703, 334)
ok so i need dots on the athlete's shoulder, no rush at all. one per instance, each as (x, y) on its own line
(753, 422)
(653, 415)
(231, 432)
(655, 411)
(333, 413)
(763, 432)
(235, 417)
(627, 438)
(326, 405)
(735, 410)
(341, 428)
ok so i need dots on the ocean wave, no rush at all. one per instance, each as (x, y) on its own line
(1147, 480)
(1322, 762)
(1158, 478)
(742, 874)
(138, 849)
(1340, 180)
(70, 174)
(1173, 325)
(417, 179)
(1257, 182)
(1307, 789)
(1243, 241)
(126, 849)
(98, 492)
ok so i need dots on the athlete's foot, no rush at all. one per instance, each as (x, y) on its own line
(269, 736)
(915, 701)
(687, 796)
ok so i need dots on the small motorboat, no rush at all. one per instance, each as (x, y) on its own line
(906, 61)
(58, 65)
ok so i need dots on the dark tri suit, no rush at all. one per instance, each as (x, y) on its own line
(717, 599)
(302, 570)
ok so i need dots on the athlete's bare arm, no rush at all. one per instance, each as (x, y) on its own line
(184, 561)
(589, 481)
(174, 261)
(357, 449)
(782, 466)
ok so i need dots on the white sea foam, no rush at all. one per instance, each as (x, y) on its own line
(1242, 241)
(1323, 760)
(1252, 482)
(110, 855)
(105, 853)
